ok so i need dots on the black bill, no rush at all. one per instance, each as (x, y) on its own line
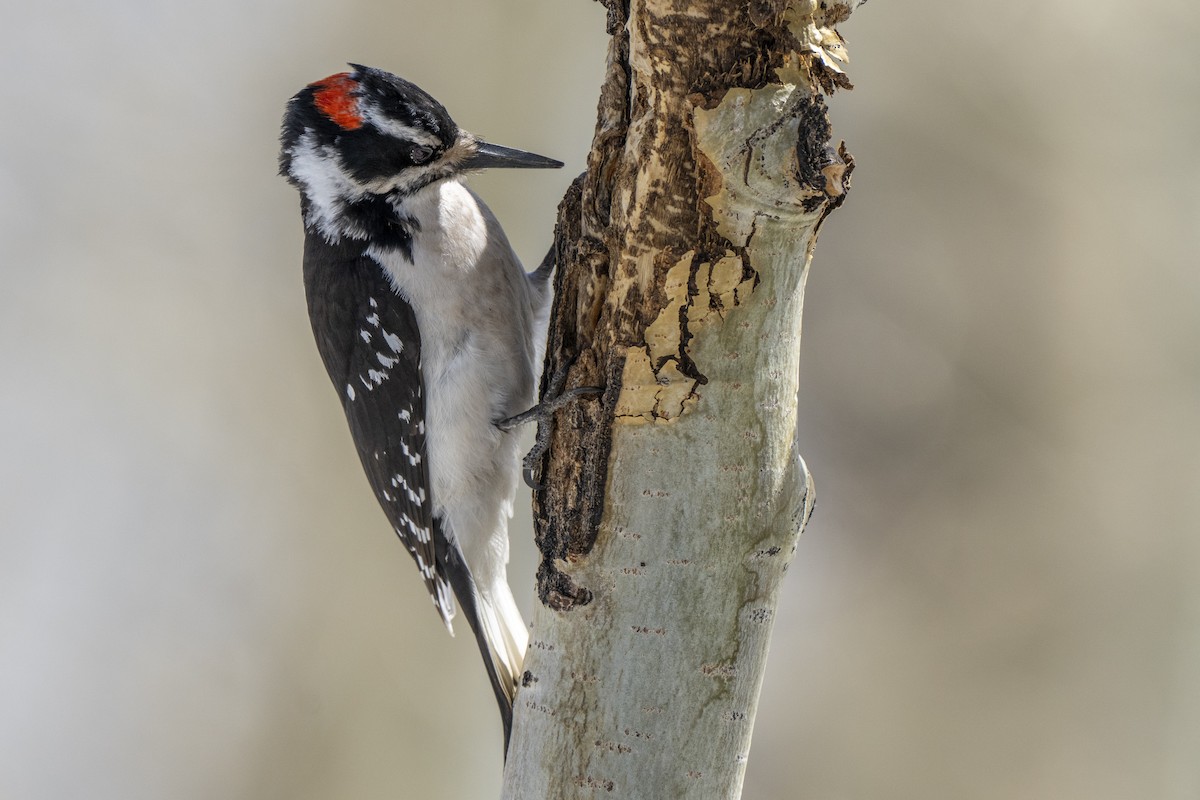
(492, 156)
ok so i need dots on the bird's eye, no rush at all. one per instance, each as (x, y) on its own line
(419, 155)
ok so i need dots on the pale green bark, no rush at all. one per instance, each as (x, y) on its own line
(650, 690)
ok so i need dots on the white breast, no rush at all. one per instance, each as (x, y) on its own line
(474, 308)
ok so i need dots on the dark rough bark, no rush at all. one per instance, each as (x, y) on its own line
(696, 59)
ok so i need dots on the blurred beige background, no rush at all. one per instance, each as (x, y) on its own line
(998, 596)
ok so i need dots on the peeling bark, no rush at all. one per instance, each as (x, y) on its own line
(670, 506)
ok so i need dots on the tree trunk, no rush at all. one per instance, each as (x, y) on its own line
(672, 502)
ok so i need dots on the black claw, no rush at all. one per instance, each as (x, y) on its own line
(527, 474)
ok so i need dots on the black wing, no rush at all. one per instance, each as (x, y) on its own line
(368, 338)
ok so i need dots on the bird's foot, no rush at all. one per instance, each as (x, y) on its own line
(542, 413)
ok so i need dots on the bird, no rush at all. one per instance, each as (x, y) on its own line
(431, 330)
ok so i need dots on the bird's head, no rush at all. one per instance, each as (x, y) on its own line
(368, 133)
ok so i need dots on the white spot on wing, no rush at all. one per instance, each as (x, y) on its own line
(418, 532)
(349, 391)
(393, 341)
(426, 570)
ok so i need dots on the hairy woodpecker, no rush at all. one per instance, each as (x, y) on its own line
(430, 330)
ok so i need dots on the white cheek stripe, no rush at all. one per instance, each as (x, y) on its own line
(325, 183)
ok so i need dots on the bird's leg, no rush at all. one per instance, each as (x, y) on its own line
(542, 413)
(544, 410)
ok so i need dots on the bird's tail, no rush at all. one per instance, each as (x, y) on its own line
(499, 630)
(502, 639)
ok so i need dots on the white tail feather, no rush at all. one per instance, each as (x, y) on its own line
(504, 630)
(444, 602)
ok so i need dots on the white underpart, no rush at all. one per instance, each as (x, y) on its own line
(478, 313)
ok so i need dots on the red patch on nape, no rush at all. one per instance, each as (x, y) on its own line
(335, 98)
